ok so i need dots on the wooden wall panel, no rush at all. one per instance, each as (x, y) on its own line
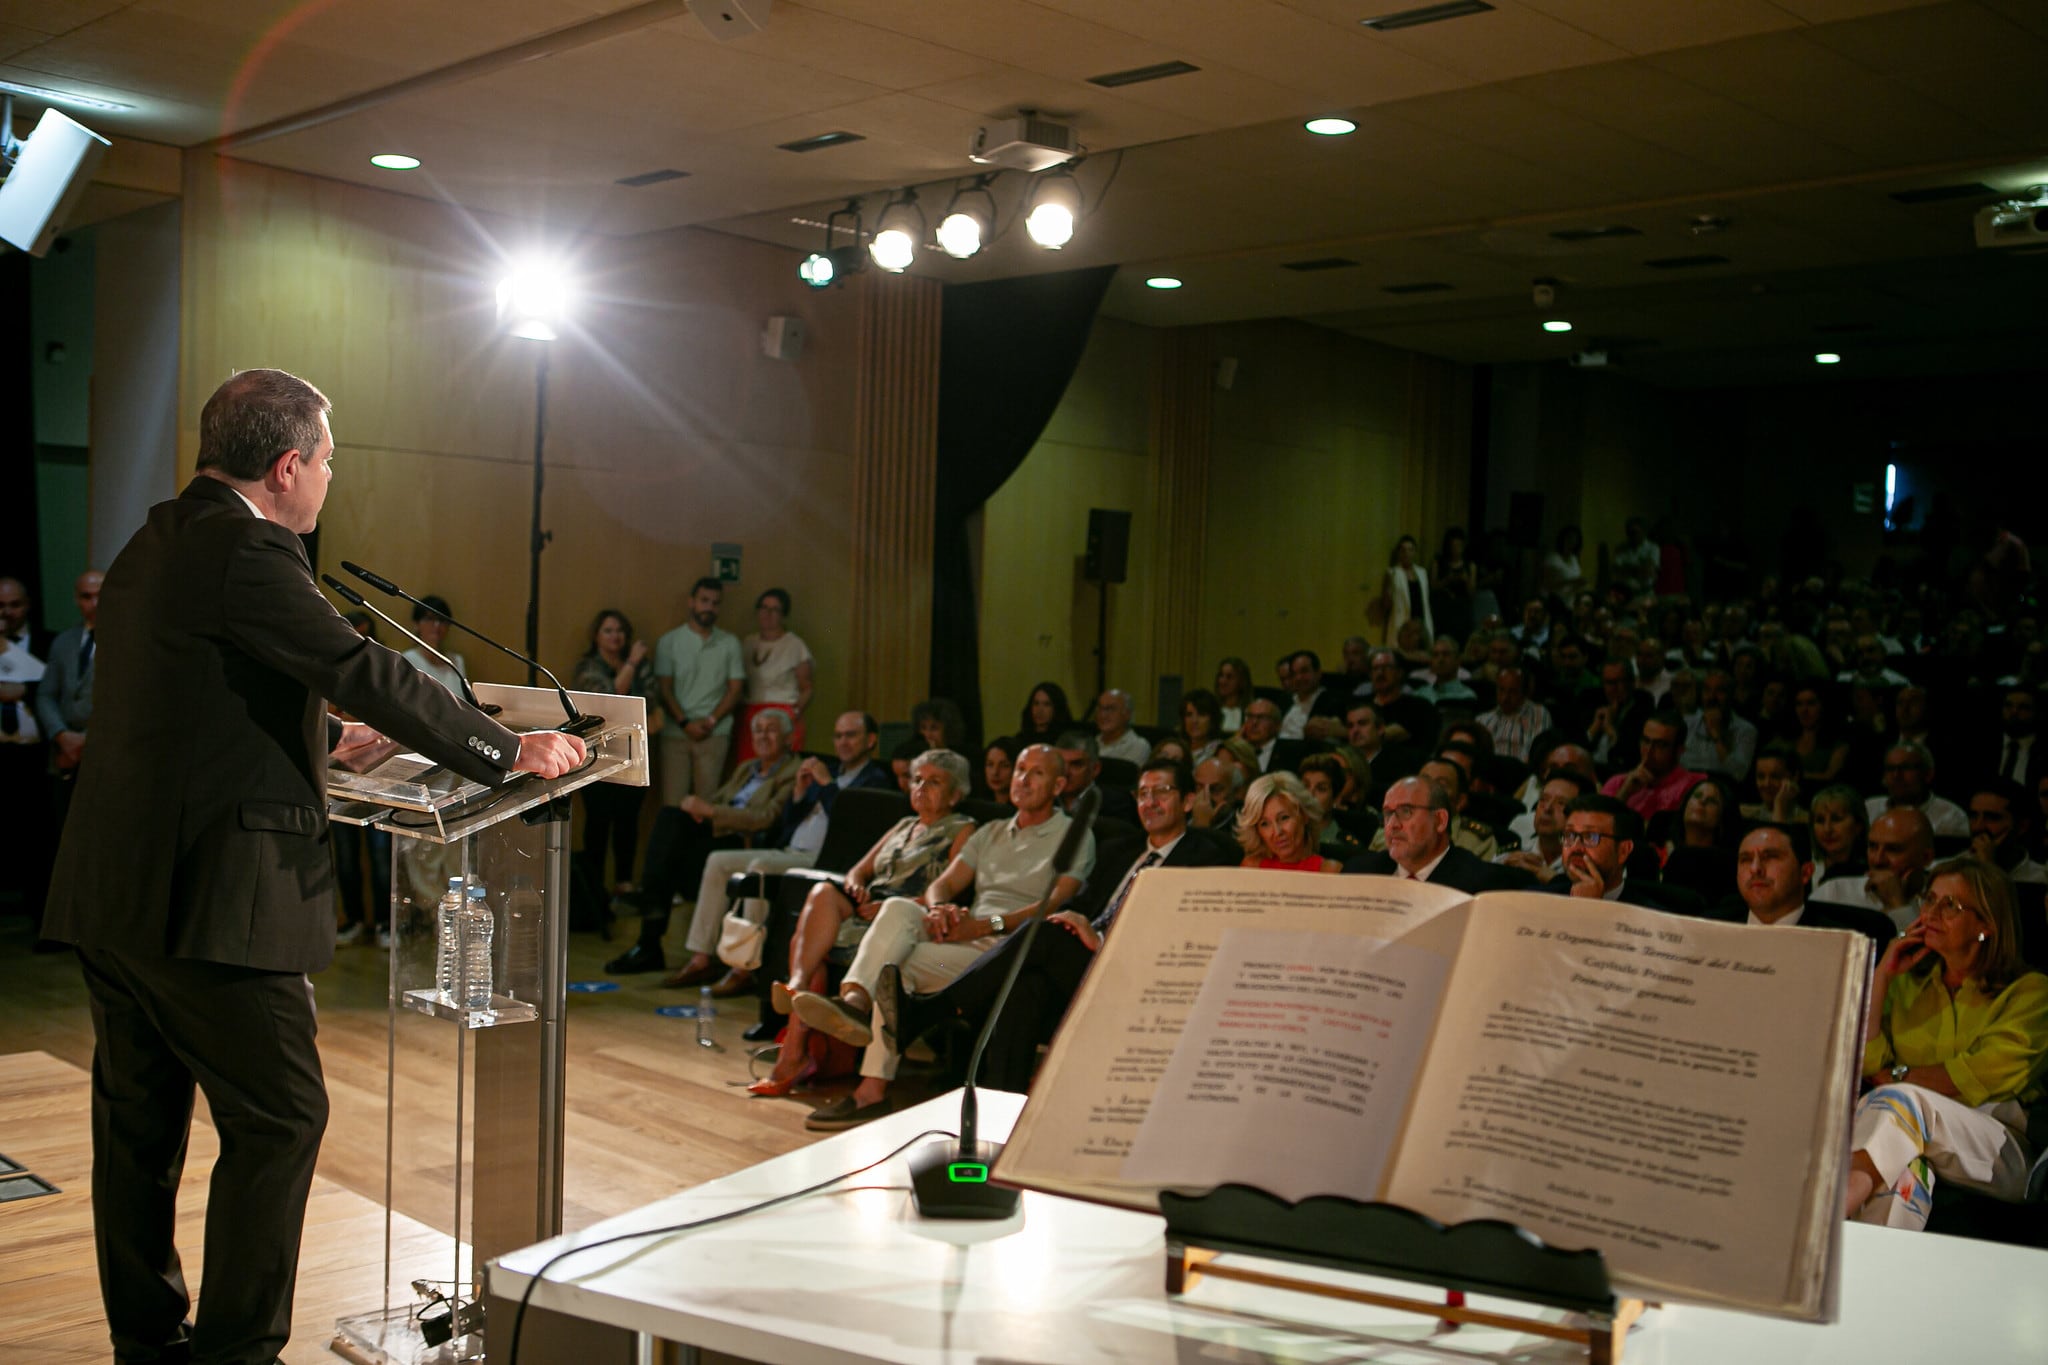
(669, 429)
(1183, 402)
(895, 472)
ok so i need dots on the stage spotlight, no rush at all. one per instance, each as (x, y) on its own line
(532, 299)
(969, 220)
(898, 233)
(829, 264)
(1055, 204)
(817, 271)
(1557, 325)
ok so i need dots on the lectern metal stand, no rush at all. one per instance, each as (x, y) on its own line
(505, 1176)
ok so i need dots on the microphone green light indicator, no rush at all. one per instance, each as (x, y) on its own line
(968, 1173)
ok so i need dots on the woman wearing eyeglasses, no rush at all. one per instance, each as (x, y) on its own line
(1956, 1053)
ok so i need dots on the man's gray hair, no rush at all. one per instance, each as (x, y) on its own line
(951, 764)
(1916, 751)
(1080, 739)
(255, 417)
(782, 718)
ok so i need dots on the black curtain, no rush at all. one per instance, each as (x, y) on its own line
(1007, 350)
(20, 538)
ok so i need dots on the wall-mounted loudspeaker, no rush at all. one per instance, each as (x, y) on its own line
(1109, 545)
(729, 19)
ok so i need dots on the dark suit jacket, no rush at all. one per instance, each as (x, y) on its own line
(1873, 924)
(1289, 752)
(1197, 848)
(875, 773)
(1651, 895)
(199, 824)
(1117, 803)
(1459, 870)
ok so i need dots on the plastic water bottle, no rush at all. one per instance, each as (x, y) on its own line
(477, 926)
(707, 1010)
(522, 940)
(446, 932)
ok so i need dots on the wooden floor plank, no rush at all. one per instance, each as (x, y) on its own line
(648, 1113)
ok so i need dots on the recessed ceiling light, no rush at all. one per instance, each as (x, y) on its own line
(395, 161)
(1330, 127)
(43, 92)
(1162, 282)
(1557, 325)
(1827, 358)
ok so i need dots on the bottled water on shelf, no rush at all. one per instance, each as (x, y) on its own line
(522, 941)
(475, 965)
(446, 931)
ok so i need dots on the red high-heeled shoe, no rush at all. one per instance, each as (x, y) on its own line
(771, 1088)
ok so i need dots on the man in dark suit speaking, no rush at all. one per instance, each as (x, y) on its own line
(195, 875)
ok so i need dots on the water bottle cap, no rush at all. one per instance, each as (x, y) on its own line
(477, 893)
(455, 883)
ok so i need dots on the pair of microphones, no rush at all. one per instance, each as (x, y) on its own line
(577, 723)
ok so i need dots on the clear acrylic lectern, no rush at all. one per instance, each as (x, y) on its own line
(474, 1092)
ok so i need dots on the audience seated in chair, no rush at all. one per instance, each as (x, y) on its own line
(1280, 827)
(933, 938)
(837, 915)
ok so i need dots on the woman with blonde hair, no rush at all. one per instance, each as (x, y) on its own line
(1280, 826)
(1956, 1046)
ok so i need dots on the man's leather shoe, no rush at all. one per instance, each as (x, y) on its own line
(638, 958)
(685, 977)
(762, 1033)
(733, 983)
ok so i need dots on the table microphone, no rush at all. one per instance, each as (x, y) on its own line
(949, 1178)
(577, 724)
(355, 599)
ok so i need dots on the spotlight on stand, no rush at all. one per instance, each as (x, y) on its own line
(969, 221)
(1055, 205)
(831, 264)
(533, 300)
(898, 233)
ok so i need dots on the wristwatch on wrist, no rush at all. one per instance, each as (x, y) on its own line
(995, 924)
(1899, 1072)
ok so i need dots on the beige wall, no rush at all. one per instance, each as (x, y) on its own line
(668, 427)
(1324, 451)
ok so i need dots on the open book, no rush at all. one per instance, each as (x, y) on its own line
(1670, 1091)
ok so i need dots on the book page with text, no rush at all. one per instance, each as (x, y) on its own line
(1662, 1088)
(1295, 1068)
(1098, 1083)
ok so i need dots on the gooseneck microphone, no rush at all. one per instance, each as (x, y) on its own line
(949, 1178)
(577, 724)
(355, 599)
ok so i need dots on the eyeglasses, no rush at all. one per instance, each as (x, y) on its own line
(1404, 812)
(1942, 907)
(1590, 838)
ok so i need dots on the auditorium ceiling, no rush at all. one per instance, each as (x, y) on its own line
(1718, 188)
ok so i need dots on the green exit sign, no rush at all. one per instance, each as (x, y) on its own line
(725, 562)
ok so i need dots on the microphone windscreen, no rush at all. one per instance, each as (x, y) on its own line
(1084, 819)
(348, 595)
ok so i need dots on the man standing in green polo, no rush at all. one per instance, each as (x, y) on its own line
(701, 676)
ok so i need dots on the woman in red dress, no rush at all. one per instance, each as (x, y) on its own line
(1281, 826)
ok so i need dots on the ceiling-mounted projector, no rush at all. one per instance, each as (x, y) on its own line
(1024, 143)
(2016, 222)
(48, 176)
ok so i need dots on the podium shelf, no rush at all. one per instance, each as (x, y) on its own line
(504, 1009)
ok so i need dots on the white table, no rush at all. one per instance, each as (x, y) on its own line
(859, 1277)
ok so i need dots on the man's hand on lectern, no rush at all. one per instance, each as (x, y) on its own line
(550, 753)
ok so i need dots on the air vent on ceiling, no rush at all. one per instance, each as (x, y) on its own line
(646, 178)
(1319, 263)
(820, 142)
(1428, 14)
(1685, 262)
(1595, 234)
(1936, 194)
(1138, 75)
(1419, 287)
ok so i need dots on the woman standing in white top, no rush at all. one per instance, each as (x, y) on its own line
(1562, 575)
(778, 665)
(430, 623)
(1404, 594)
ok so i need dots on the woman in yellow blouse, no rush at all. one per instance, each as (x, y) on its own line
(1957, 1048)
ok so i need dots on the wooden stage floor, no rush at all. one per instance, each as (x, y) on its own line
(648, 1113)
